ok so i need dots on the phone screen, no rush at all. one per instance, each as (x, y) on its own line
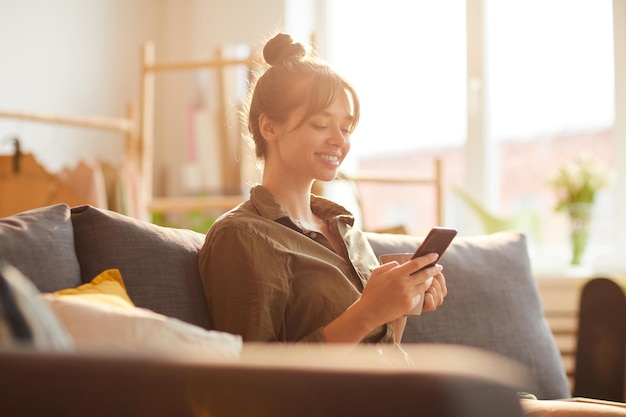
(437, 241)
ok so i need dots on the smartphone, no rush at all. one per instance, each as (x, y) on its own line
(437, 241)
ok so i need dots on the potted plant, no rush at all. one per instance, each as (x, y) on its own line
(576, 185)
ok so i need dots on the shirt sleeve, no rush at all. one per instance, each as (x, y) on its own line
(245, 291)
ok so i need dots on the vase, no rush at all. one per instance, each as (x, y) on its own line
(580, 218)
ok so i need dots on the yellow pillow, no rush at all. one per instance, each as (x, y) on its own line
(107, 287)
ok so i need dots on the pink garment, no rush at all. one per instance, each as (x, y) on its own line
(86, 181)
(133, 190)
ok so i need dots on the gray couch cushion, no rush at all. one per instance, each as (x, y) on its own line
(159, 265)
(493, 303)
(40, 243)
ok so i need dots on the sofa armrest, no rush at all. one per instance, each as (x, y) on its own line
(104, 385)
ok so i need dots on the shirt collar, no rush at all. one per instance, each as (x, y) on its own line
(268, 206)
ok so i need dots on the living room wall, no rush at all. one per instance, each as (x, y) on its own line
(73, 58)
(82, 59)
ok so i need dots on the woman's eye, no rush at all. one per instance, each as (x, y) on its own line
(319, 126)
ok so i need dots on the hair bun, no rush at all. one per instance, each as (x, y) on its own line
(281, 48)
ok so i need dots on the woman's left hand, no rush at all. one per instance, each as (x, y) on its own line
(434, 295)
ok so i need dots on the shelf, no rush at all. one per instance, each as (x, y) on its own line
(185, 204)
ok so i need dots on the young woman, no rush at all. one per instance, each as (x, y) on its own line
(287, 265)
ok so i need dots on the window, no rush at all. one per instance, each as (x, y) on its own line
(551, 94)
(409, 69)
(550, 87)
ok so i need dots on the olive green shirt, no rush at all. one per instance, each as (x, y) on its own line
(267, 279)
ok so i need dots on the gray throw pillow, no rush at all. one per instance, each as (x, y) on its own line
(493, 303)
(40, 243)
(26, 321)
(159, 265)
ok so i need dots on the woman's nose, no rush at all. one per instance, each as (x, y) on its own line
(339, 137)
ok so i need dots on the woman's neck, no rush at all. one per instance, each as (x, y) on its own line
(295, 199)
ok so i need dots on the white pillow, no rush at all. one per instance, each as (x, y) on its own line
(97, 325)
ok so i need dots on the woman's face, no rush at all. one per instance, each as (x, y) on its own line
(314, 149)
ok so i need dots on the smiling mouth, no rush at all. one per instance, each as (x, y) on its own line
(333, 159)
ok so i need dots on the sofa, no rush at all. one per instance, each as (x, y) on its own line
(104, 314)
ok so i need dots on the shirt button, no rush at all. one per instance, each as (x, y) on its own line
(313, 235)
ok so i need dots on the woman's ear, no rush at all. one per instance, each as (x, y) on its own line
(268, 128)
